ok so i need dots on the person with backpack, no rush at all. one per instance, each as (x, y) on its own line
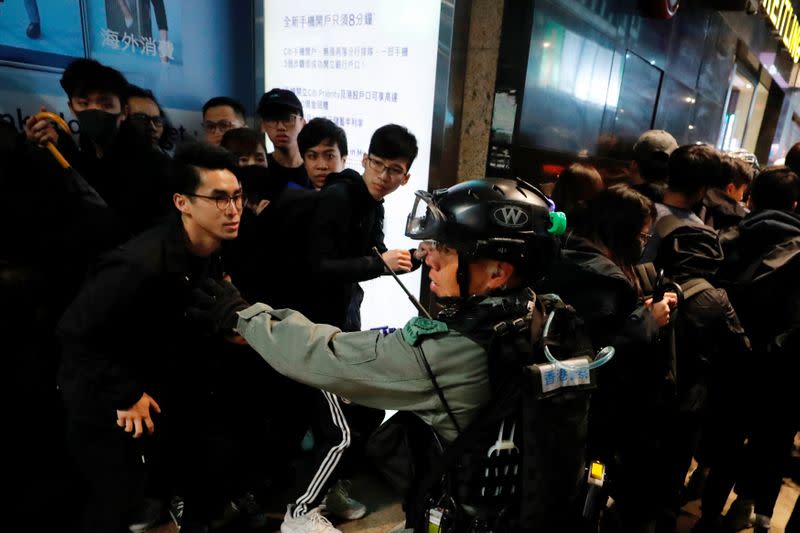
(596, 276)
(760, 272)
(711, 349)
(471, 374)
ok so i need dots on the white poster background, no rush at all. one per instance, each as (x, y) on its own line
(363, 64)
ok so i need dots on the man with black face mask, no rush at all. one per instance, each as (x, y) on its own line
(122, 166)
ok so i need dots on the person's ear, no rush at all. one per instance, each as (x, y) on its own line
(405, 179)
(500, 273)
(182, 203)
(72, 109)
(126, 110)
(344, 160)
(364, 161)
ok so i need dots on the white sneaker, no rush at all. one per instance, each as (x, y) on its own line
(311, 522)
(339, 502)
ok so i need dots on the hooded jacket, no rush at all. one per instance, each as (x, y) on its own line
(720, 211)
(346, 224)
(761, 268)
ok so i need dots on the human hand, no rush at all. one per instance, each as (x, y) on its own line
(215, 304)
(131, 419)
(422, 251)
(659, 310)
(398, 260)
(40, 130)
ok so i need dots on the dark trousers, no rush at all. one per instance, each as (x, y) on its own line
(114, 466)
(336, 426)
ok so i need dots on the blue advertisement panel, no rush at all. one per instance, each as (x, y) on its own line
(41, 32)
(144, 39)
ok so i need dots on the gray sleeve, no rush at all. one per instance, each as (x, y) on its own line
(367, 367)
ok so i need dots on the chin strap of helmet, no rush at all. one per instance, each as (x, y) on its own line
(462, 273)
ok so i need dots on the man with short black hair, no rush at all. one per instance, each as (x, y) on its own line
(722, 205)
(775, 188)
(692, 168)
(760, 271)
(123, 167)
(323, 146)
(648, 168)
(793, 158)
(221, 114)
(125, 394)
(282, 119)
(146, 116)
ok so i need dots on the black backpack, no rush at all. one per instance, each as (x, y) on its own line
(520, 465)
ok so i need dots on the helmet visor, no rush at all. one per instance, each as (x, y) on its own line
(425, 220)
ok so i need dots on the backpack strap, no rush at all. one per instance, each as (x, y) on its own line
(695, 286)
(648, 277)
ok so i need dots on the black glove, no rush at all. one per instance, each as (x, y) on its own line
(214, 305)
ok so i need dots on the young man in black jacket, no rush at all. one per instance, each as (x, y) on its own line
(114, 158)
(760, 272)
(137, 381)
(346, 225)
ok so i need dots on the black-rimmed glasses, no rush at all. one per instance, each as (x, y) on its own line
(223, 202)
(144, 118)
(287, 121)
(380, 166)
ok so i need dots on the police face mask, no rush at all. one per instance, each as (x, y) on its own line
(98, 126)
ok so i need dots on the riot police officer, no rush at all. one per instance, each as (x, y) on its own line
(465, 374)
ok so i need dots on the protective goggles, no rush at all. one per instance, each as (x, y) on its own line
(426, 219)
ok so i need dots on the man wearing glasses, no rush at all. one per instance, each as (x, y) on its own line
(135, 375)
(347, 223)
(145, 115)
(221, 114)
(282, 119)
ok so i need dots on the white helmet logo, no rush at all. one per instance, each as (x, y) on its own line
(510, 216)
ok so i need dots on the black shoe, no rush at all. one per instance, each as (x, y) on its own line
(740, 515)
(34, 30)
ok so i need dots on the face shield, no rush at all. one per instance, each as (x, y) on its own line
(426, 220)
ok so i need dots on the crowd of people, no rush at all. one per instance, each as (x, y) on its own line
(146, 387)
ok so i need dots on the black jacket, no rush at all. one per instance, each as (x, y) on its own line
(125, 333)
(268, 261)
(132, 177)
(720, 211)
(347, 223)
(631, 386)
(761, 269)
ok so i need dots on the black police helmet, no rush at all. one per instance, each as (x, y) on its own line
(502, 219)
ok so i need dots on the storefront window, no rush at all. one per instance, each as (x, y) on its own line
(747, 100)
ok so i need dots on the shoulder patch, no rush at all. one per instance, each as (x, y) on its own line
(419, 327)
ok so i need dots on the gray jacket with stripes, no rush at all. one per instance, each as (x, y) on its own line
(375, 369)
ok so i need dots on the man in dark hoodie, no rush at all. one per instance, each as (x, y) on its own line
(346, 225)
(722, 205)
(119, 163)
(762, 265)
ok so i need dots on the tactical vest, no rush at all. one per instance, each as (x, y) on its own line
(520, 465)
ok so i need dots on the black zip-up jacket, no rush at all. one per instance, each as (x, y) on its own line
(125, 334)
(347, 223)
(760, 271)
(632, 385)
(132, 177)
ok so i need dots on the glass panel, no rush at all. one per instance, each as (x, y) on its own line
(637, 97)
(757, 115)
(742, 91)
(567, 84)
